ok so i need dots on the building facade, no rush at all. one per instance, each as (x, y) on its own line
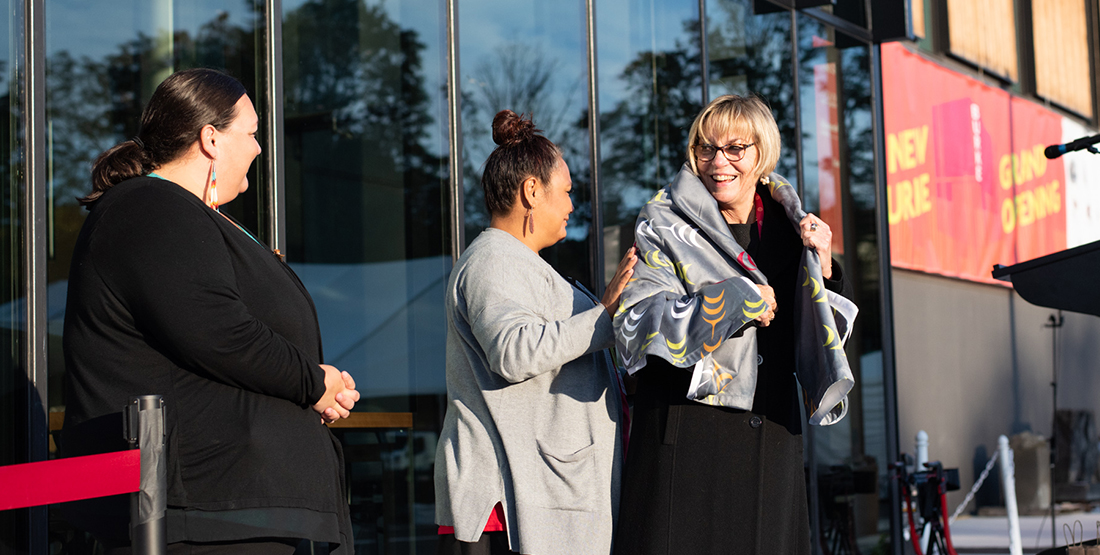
(375, 121)
(970, 105)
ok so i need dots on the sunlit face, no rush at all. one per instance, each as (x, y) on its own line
(237, 148)
(553, 213)
(728, 182)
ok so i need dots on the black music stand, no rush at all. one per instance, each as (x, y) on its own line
(1064, 280)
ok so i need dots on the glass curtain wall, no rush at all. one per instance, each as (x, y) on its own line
(103, 61)
(366, 151)
(529, 57)
(367, 186)
(651, 88)
(749, 52)
(14, 385)
(851, 472)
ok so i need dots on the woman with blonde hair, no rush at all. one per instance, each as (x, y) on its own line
(735, 296)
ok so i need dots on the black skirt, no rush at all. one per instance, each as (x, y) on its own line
(710, 480)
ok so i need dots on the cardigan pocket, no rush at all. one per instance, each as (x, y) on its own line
(568, 481)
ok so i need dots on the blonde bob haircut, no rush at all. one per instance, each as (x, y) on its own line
(744, 116)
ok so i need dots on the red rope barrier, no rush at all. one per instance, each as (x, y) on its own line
(57, 481)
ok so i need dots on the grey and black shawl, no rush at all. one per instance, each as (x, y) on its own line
(694, 298)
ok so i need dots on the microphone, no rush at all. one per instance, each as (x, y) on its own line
(1054, 151)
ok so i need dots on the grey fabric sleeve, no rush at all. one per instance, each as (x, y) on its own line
(519, 344)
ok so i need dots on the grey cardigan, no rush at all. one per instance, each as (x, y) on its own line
(533, 405)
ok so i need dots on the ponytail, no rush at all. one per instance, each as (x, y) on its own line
(123, 161)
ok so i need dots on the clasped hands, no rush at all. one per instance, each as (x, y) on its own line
(340, 395)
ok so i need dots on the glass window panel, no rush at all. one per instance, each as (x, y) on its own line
(13, 378)
(528, 57)
(103, 61)
(366, 183)
(751, 54)
(1062, 53)
(916, 12)
(984, 32)
(651, 87)
(838, 184)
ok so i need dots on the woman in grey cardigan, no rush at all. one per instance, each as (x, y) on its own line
(531, 448)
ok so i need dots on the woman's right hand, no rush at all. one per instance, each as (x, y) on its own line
(768, 294)
(622, 276)
(340, 395)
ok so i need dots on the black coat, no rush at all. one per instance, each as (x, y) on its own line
(702, 479)
(168, 297)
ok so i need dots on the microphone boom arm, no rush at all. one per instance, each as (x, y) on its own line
(1084, 143)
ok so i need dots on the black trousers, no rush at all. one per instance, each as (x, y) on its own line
(491, 543)
(262, 546)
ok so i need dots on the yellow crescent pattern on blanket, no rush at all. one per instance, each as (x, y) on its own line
(758, 308)
(658, 198)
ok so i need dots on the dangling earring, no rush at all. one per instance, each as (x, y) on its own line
(530, 222)
(213, 187)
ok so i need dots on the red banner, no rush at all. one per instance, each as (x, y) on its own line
(967, 184)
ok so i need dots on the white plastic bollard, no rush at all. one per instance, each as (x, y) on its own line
(918, 466)
(1008, 480)
(922, 451)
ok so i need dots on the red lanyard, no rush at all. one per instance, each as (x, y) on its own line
(759, 215)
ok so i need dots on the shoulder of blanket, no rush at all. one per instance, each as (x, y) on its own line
(657, 205)
(776, 182)
(661, 198)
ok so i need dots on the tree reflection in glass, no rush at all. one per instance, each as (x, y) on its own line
(651, 85)
(99, 73)
(103, 61)
(751, 54)
(366, 180)
(529, 57)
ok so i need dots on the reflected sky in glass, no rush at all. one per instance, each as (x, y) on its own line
(366, 168)
(427, 19)
(529, 57)
(104, 59)
(95, 29)
(751, 54)
(650, 86)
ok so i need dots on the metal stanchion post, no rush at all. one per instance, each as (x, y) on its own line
(145, 430)
(1008, 481)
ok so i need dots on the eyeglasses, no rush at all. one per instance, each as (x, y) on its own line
(733, 153)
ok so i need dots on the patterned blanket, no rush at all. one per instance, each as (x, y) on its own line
(693, 300)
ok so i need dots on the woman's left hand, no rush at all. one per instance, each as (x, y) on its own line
(817, 235)
(622, 276)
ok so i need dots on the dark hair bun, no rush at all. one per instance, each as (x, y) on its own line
(509, 127)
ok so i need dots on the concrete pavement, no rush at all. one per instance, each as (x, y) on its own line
(976, 535)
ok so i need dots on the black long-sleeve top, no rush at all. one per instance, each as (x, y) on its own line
(168, 297)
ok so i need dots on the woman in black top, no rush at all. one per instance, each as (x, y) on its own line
(168, 296)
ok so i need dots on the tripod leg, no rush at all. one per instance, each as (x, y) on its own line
(936, 539)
